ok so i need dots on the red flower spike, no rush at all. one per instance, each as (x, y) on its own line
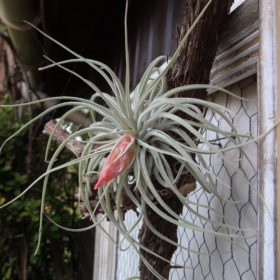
(118, 160)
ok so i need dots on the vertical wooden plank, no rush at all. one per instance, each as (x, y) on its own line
(105, 253)
(267, 147)
(278, 132)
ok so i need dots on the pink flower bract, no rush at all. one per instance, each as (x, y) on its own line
(118, 160)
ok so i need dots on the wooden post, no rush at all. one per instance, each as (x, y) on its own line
(268, 154)
(277, 51)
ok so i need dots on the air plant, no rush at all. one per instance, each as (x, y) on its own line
(131, 142)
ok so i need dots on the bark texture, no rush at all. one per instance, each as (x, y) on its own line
(192, 67)
(195, 61)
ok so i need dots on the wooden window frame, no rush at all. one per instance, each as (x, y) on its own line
(268, 155)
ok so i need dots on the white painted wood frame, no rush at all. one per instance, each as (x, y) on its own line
(268, 77)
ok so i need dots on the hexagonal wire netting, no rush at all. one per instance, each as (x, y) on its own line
(218, 258)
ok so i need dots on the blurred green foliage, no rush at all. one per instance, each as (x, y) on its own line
(19, 222)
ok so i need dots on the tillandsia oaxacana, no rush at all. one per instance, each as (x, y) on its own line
(119, 159)
(138, 132)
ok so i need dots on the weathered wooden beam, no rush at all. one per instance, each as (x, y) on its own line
(268, 148)
(237, 54)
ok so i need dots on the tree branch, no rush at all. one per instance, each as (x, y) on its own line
(192, 67)
(61, 135)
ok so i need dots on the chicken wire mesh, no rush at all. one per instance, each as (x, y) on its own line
(217, 258)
